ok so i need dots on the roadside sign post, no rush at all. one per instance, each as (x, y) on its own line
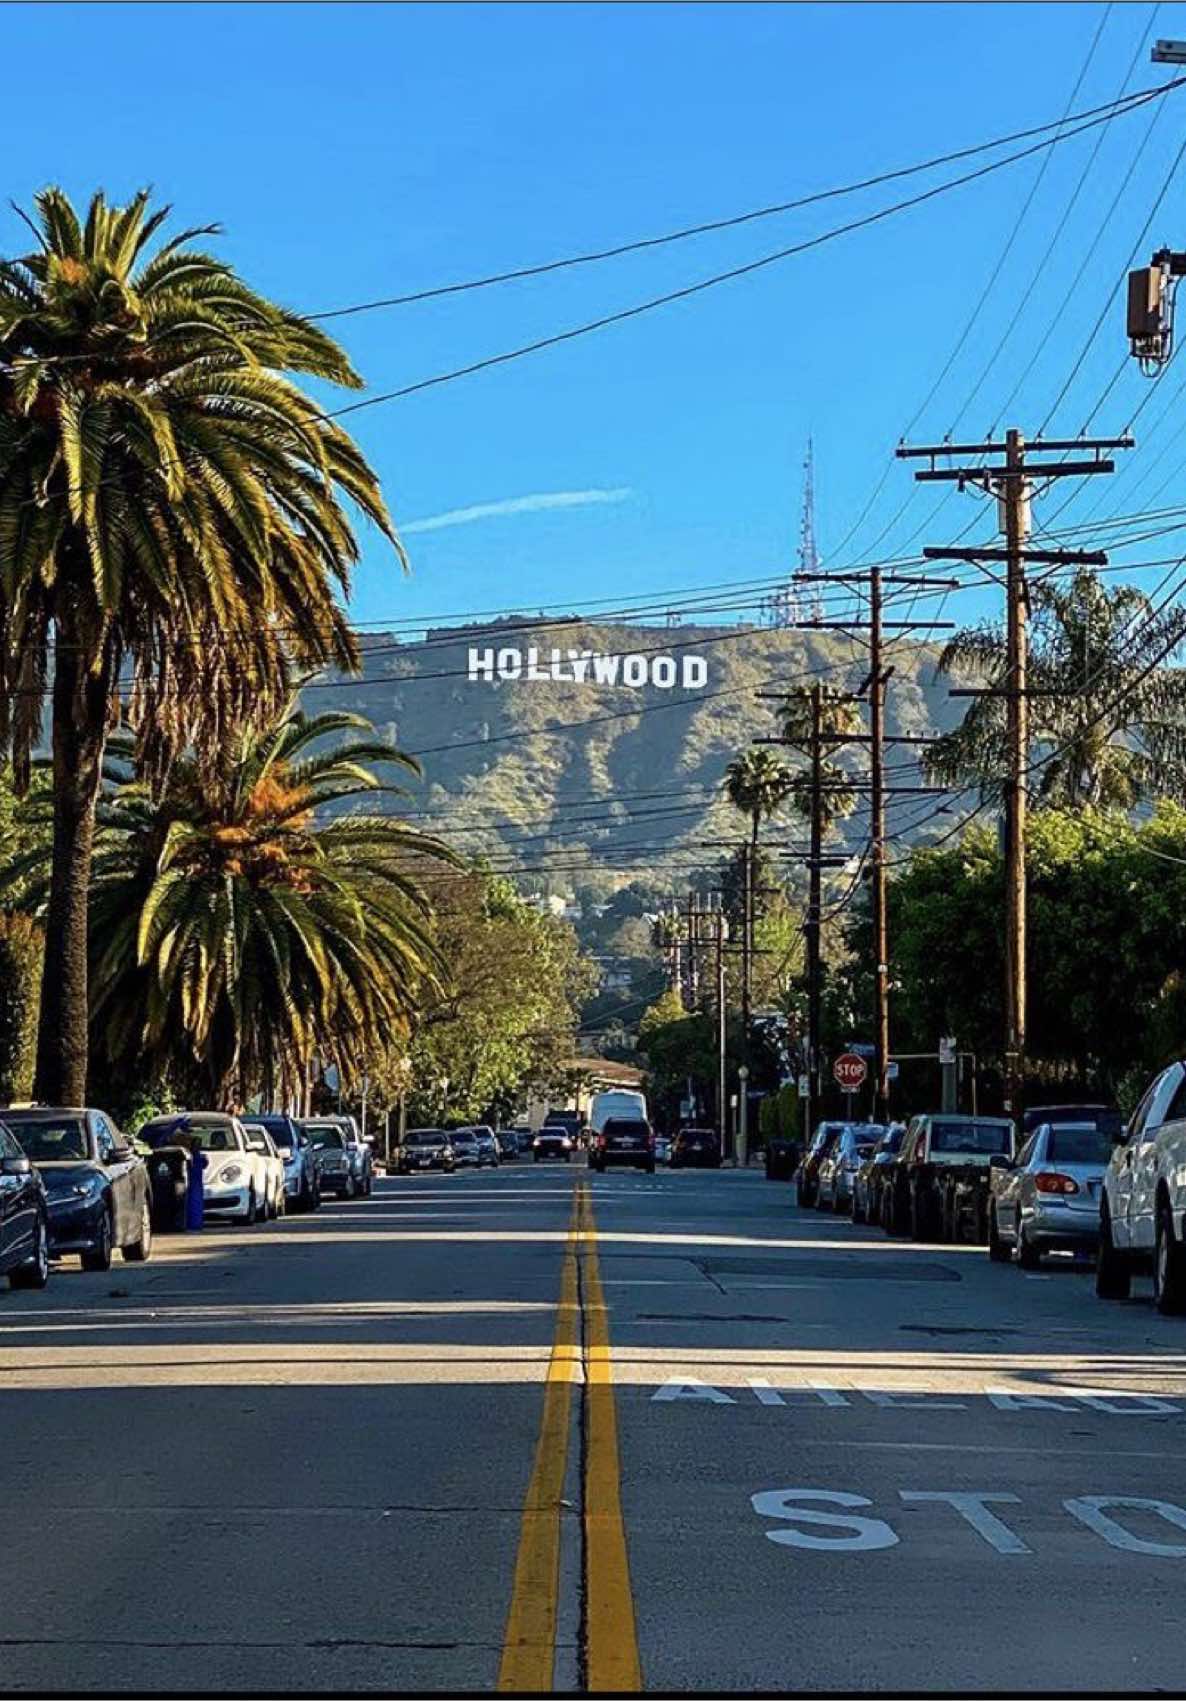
(850, 1071)
(947, 1063)
(743, 1117)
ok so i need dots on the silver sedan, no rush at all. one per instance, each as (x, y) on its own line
(1048, 1198)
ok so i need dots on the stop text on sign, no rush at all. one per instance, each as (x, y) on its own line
(850, 1071)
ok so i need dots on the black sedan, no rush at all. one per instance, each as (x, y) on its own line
(24, 1218)
(96, 1183)
(696, 1148)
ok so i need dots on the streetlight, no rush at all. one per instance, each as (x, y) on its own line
(1169, 53)
(743, 1117)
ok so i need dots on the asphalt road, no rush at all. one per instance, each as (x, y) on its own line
(537, 1427)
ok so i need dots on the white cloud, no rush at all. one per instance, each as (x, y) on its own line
(538, 503)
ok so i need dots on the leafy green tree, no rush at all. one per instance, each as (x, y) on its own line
(502, 1020)
(237, 931)
(171, 526)
(1105, 703)
(677, 1045)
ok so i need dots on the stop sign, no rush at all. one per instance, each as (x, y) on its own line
(850, 1071)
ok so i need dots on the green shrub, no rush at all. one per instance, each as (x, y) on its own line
(21, 954)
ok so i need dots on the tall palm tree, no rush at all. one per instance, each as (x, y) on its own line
(757, 784)
(236, 930)
(1104, 699)
(171, 525)
(838, 715)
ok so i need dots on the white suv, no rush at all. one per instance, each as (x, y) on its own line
(1143, 1207)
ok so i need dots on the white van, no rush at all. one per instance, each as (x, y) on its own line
(618, 1103)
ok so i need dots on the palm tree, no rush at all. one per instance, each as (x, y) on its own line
(235, 930)
(838, 716)
(1111, 714)
(171, 526)
(757, 783)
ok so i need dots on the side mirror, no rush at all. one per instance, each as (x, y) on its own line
(1120, 1136)
(999, 1161)
(16, 1166)
(123, 1154)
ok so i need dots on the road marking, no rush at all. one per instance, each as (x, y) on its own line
(529, 1641)
(611, 1635)
(1090, 1511)
(973, 1509)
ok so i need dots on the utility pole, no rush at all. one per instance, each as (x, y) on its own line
(693, 961)
(747, 944)
(814, 904)
(1012, 483)
(877, 683)
(722, 1032)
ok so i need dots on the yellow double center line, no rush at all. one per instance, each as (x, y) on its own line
(581, 1355)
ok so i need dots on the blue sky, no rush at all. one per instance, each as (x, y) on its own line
(360, 151)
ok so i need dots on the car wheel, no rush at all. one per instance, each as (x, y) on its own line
(34, 1273)
(141, 1250)
(99, 1256)
(249, 1215)
(1113, 1272)
(998, 1252)
(1169, 1266)
(1029, 1256)
(350, 1189)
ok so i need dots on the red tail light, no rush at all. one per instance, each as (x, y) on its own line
(920, 1152)
(1051, 1182)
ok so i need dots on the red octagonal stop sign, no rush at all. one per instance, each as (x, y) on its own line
(850, 1071)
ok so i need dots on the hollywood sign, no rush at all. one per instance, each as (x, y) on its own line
(587, 667)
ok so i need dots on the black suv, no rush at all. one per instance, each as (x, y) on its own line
(624, 1140)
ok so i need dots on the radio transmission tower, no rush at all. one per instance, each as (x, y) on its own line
(801, 599)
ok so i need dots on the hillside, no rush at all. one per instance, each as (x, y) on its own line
(573, 772)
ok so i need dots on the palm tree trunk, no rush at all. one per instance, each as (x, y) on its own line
(81, 699)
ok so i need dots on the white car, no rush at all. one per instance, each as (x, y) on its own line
(261, 1142)
(1143, 1208)
(235, 1181)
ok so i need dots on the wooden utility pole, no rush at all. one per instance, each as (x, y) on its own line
(877, 681)
(1015, 500)
(814, 905)
(1011, 481)
(722, 1032)
(747, 945)
(693, 960)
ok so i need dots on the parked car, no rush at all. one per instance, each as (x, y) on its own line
(624, 1140)
(358, 1151)
(1103, 1116)
(1143, 1209)
(508, 1144)
(866, 1183)
(552, 1142)
(426, 1148)
(1048, 1198)
(839, 1166)
(260, 1141)
(488, 1152)
(234, 1182)
(523, 1136)
(466, 1151)
(822, 1142)
(302, 1183)
(938, 1152)
(331, 1146)
(96, 1183)
(698, 1148)
(24, 1217)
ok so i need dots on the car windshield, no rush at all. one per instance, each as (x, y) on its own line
(464, 1137)
(971, 1137)
(180, 1131)
(892, 1142)
(275, 1126)
(257, 1138)
(46, 1142)
(325, 1137)
(424, 1137)
(1072, 1145)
